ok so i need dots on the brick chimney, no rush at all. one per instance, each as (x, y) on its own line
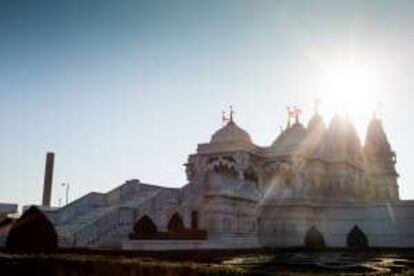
(47, 186)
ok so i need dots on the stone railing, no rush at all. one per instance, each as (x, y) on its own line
(120, 219)
(75, 208)
(119, 214)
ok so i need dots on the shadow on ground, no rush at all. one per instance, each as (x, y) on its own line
(213, 263)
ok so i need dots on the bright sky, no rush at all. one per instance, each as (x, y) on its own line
(126, 89)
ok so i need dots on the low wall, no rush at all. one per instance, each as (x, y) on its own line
(157, 245)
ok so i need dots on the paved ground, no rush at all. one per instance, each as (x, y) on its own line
(349, 263)
(266, 262)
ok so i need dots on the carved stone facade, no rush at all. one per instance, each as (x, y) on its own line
(313, 185)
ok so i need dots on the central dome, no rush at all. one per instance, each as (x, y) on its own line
(342, 138)
(230, 133)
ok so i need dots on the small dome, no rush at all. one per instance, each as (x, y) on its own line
(290, 141)
(230, 133)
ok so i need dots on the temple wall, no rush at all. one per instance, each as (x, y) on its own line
(385, 225)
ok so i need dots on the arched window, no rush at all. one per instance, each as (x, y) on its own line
(314, 239)
(176, 223)
(357, 239)
(145, 225)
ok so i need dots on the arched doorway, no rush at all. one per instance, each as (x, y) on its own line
(32, 232)
(176, 223)
(194, 220)
(145, 225)
(314, 239)
(357, 239)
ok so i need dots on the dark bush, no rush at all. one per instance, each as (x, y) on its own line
(145, 225)
(314, 239)
(32, 232)
(357, 239)
(176, 224)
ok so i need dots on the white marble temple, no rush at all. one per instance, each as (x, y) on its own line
(246, 196)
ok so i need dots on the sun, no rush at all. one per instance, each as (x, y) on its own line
(350, 88)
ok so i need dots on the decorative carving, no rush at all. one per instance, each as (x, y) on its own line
(195, 166)
(225, 165)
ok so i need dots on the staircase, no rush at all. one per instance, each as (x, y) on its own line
(97, 220)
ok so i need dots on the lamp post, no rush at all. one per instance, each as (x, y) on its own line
(67, 191)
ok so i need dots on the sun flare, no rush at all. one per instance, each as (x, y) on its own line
(350, 88)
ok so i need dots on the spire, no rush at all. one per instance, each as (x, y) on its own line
(316, 133)
(316, 121)
(380, 160)
(342, 138)
(376, 141)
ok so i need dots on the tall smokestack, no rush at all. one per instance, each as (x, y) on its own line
(47, 186)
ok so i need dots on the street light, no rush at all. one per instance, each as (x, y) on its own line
(67, 191)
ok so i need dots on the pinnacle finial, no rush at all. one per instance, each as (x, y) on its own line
(289, 111)
(294, 113)
(224, 119)
(231, 113)
(298, 112)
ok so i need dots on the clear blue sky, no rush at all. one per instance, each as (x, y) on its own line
(126, 89)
